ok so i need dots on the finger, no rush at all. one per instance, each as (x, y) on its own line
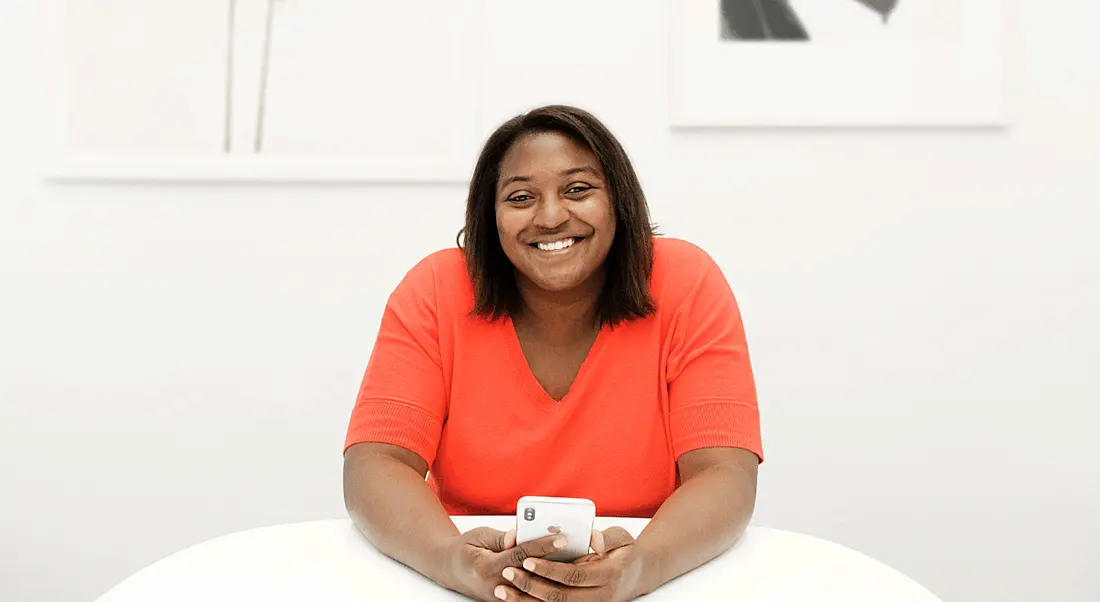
(487, 538)
(610, 539)
(511, 594)
(509, 539)
(598, 544)
(587, 558)
(568, 574)
(536, 548)
(534, 585)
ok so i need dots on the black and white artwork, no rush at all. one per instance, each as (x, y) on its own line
(750, 63)
(266, 89)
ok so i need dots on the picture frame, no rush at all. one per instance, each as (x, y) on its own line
(248, 94)
(873, 80)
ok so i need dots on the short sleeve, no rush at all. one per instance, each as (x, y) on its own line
(402, 398)
(712, 391)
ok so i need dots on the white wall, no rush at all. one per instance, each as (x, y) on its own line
(178, 363)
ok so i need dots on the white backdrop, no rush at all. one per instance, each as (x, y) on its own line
(177, 363)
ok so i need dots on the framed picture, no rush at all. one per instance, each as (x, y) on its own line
(751, 63)
(266, 90)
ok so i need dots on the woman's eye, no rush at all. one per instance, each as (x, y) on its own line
(578, 189)
(519, 198)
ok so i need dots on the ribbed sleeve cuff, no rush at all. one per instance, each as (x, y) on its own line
(396, 423)
(716, 424)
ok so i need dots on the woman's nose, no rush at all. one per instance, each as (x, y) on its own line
(551, 212)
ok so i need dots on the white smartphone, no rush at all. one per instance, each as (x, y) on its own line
(538, 516)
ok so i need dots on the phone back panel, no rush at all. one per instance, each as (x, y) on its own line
(572, 517)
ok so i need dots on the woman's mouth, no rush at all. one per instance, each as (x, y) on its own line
(557, 245)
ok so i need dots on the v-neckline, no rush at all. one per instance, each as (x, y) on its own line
(531, 384)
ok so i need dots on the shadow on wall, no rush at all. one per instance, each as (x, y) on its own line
(775, 20)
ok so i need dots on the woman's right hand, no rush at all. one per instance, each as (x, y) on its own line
(476, 559)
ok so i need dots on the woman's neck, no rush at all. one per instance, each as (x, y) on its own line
(560, 317)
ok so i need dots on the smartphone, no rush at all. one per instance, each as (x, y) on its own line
(538, 516)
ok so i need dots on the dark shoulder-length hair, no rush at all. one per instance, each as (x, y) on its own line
(629, 262)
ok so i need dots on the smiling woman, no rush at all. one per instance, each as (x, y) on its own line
(541, 177)
(564, 350)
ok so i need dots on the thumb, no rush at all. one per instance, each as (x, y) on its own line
(610, 539)
(490, 539)
(598, 544)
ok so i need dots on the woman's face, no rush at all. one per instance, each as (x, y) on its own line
(554, 214)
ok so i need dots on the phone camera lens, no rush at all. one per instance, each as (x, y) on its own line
(528, 514)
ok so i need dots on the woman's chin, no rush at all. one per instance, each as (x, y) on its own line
(556, 285)
(551, 282)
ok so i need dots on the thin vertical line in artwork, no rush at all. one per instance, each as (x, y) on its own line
(763, 19)
(264, 68)
(230, 37)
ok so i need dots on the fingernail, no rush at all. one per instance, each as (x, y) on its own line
(508, 573)
(559, 543)
(529, 564)
(499, 592)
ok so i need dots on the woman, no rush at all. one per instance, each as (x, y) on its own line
(562, 350)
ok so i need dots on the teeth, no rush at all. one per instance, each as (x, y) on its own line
(556, 246)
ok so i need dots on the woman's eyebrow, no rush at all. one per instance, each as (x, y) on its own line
(583, 169)
(508, 181)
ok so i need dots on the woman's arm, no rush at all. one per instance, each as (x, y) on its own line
(389, 501)
(715, 430)
(702, 518)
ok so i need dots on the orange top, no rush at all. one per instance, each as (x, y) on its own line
(456, 390)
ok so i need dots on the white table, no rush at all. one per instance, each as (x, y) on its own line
(330, 561)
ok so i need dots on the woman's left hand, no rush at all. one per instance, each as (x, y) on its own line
(610, 574)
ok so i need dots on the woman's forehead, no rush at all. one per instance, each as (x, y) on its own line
(546, 152)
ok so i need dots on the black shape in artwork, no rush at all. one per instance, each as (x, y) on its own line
(775, 20)
(761, 20)
(882, 7)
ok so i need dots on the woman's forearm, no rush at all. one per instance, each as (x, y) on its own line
(699, 521)
(389, 501)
